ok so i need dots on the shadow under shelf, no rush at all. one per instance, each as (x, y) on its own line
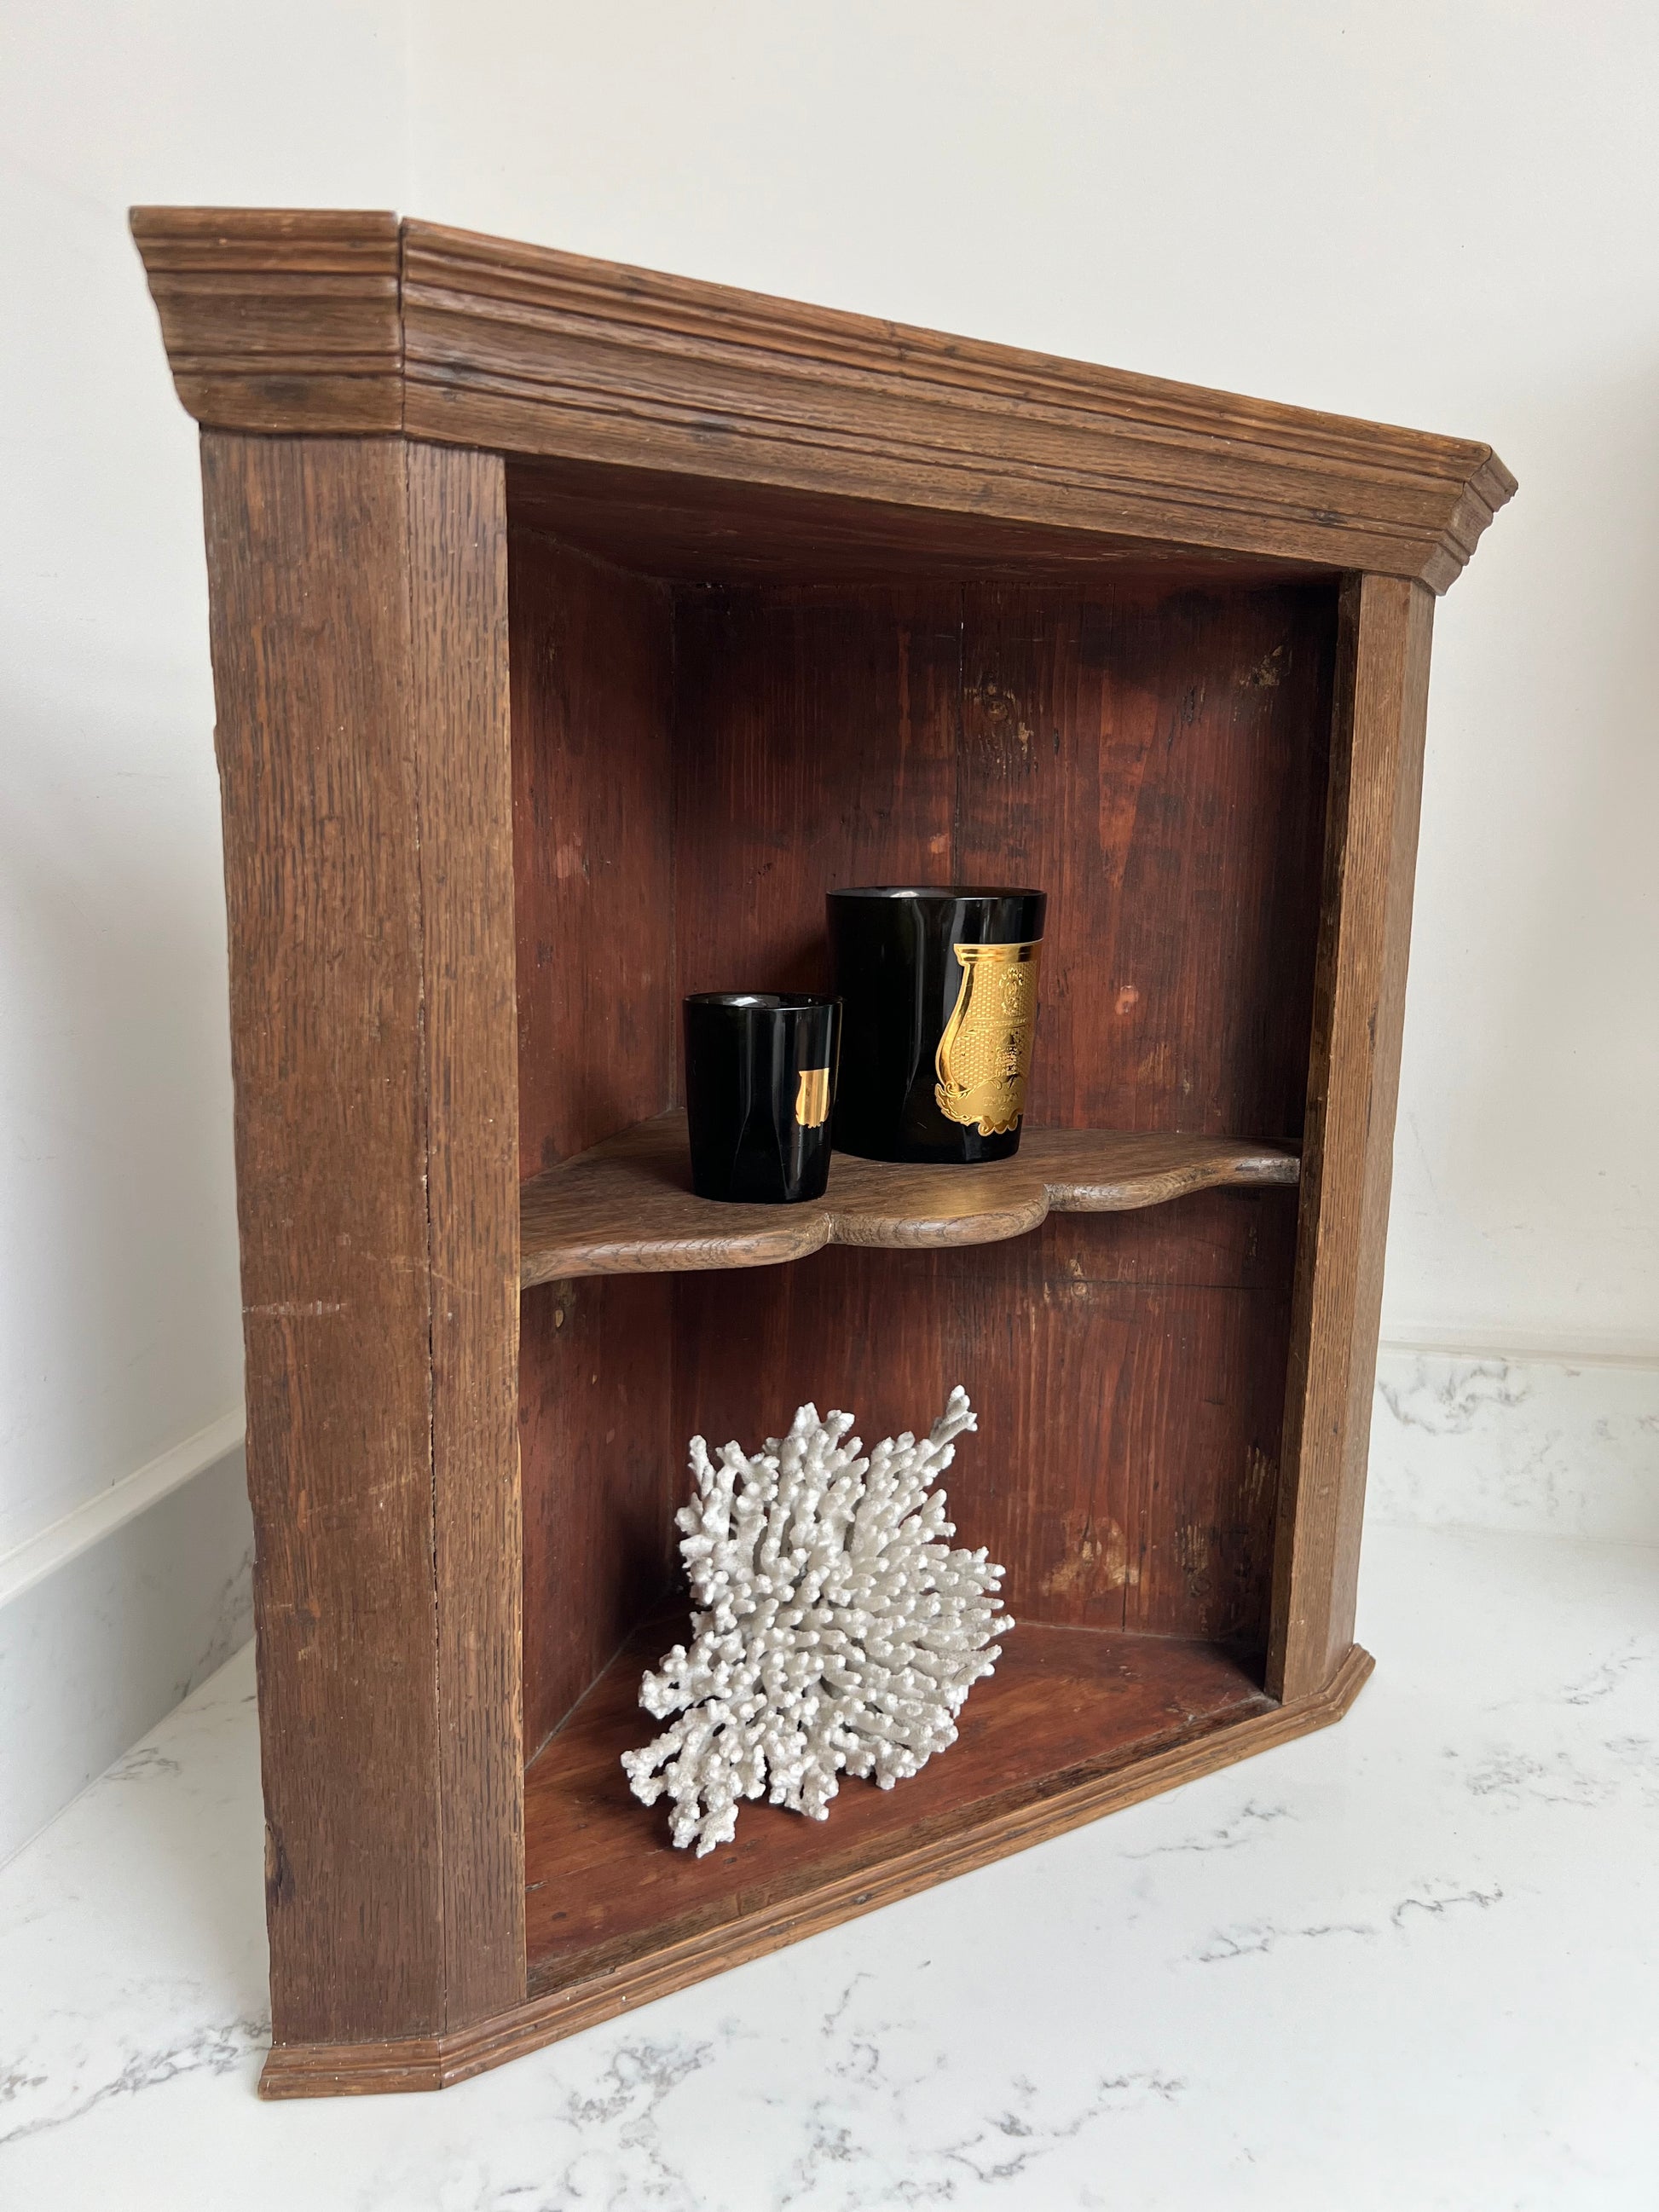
(627, 1206)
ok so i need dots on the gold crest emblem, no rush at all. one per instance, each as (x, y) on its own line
(985, 1054)
(812, 1098)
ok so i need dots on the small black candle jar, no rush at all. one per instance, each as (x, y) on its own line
(939, 1005)
(760, 1080)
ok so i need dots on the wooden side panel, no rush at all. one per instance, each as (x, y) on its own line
(1376, 770)
(318, 769)
(592, 673)
(602, 1475)
(1205, 1299)
(458, 636)
(599, 1029)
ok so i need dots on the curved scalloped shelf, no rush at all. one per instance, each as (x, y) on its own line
(627, 1207)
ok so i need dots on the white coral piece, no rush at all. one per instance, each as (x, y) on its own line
(833, 1628)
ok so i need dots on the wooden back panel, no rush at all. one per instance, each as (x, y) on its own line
(1157, 760)
(1127, 1369)
(816, 744)
(1155, 757)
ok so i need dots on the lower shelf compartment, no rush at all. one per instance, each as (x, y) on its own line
(1077, 1723)
(1066, 1708)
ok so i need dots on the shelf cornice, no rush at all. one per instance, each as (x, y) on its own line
(627, 1206)
(279, 319)
(336, 323)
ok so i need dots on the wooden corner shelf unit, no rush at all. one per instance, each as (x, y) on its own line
(573, 628)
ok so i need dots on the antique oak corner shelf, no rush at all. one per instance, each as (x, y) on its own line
(573, 627)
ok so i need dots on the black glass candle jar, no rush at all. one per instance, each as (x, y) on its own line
(760, 1079)
(939, 1005)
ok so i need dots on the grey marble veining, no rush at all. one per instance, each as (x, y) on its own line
(1529, 1445)
(1408, 1963)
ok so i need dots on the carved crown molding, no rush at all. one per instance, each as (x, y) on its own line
(332, 324)
(276, 319)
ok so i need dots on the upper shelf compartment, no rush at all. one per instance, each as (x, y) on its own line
(627, 1207)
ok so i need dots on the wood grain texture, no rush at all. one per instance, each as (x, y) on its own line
(370, 1005)
(526, 350)
(627, 1207)
(702, 530)
(459, 718)
(1127, 1370)
(433, 2063)
(594, 876)
(277, 319)
(311, 650)
(541, 352)
(793, 599)
(594, 861)
(1155, 759)
(602, 1479)
(607, 1887)
(1353, 1080)
(816, 737)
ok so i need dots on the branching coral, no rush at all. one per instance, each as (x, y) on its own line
(834, 1629)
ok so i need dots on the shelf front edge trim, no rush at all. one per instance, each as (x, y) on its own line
(623, 1208)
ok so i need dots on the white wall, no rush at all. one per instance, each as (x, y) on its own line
(119, 1325)
(120, 1341)
(1443, 214)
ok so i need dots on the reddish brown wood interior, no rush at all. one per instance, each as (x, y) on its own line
(695, 762)
(605, 1885)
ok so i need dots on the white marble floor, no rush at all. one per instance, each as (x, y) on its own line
(1410, 1964)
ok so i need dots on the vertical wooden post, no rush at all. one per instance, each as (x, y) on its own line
(461, 728)
(359, 621)
(1386, 624)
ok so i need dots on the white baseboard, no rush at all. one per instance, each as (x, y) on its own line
(100, 1517)
(1559, 1445)
(113, 1615)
